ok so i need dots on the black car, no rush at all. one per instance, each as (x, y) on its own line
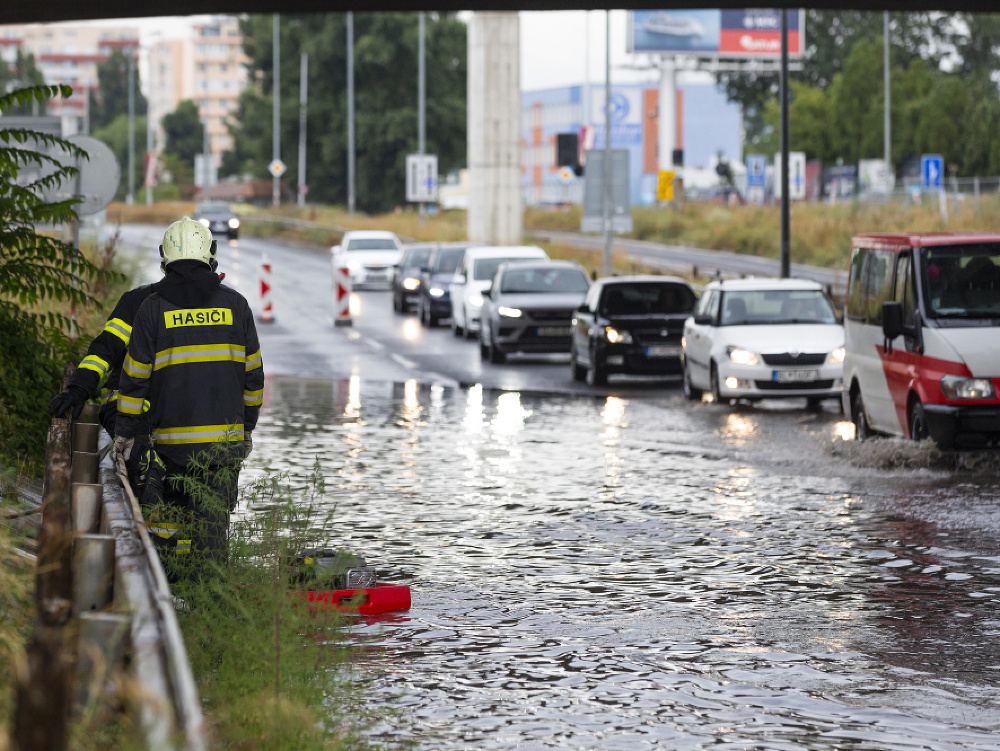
(631, 325)
(406, 277)
(218, 217)
(435, 298)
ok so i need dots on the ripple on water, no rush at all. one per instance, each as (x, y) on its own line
(647, 574)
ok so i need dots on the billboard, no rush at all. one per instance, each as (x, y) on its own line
(738, 33)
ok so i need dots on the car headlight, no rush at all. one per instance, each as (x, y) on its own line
(204, 222)
(837, 356)
(411, 283)
(959, 387)
(474, 300)
(741, 356)
(234, 223)
(353, 264)
(436, 291)
(615, 336)
(509, 312)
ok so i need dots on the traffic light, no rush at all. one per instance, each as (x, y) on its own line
(567, 150)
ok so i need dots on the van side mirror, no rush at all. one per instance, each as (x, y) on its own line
(705, 319)
(892, 319)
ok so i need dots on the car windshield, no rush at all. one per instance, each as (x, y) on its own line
(486, 268)
(416, 257)
(541, 280)
(646, 299)
(447, 260)
(773, 306)
(371, 243)
(214, 208)
(962, 281)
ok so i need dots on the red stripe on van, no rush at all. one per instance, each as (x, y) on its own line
(910, 371)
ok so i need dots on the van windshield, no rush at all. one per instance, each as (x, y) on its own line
(962, 281)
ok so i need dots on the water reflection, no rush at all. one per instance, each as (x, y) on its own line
(649, 575)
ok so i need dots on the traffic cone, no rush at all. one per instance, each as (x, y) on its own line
(266, 306)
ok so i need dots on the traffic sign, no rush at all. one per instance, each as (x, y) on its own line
(931, 168)
(422, 178)
(277, 168)
(566, 175)
(665, 185)
(756, 170)
(796, 175)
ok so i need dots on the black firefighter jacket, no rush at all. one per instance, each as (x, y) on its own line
(194, 359)
(100, 371)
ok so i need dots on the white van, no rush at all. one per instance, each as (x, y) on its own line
(922, 338)
(473, 278)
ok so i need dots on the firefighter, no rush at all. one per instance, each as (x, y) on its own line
(194, 359)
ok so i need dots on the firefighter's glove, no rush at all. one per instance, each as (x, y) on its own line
(122, 448)
(247, 445)
(73, 398)
(152, 489)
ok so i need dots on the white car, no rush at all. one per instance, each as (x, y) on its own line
(479, 265)
(761, 339)
(369, 256)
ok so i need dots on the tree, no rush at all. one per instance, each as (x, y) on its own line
(115, 136)
(385, 101)
(111, 99)
(185, 132)
(23, 74)
(38, 272)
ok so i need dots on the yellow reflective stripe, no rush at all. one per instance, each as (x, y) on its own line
(199, 434)
(119, 328)
(108, 396)
(95, 363)
(253, 398)
(130, 405)
(200, 353)
(166, 530)
(253, 361)
(183, 546)
(135, 368)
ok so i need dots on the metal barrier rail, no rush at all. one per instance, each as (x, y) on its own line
(105, 632)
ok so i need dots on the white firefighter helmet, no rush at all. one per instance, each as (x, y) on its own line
(188, 240)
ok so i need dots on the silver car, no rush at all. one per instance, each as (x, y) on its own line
(529, 306)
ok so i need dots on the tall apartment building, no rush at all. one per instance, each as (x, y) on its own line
(68, 54)
(209, 67)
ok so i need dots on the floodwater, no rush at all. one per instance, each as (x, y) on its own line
(646, 573)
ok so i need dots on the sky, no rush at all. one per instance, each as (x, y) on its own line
(554, 49)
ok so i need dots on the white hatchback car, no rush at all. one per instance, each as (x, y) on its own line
(369, 256)
(764, 338)
(479, 264)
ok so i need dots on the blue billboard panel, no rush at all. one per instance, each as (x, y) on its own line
(740, 33)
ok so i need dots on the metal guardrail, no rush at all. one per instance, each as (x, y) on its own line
(105, 630)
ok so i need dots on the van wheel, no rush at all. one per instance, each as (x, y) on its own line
(862, 431)
(918, 421)
(689, 390)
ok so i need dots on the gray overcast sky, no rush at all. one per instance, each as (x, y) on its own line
(554, 50)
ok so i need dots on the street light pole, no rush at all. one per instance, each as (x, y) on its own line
(303, 94)
(276, 108)
(350, 112)
(606, 210)
(785, 202)
(131, 127)
(421, 99)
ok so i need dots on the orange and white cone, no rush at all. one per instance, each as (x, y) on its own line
(342, 283)
(266, 306)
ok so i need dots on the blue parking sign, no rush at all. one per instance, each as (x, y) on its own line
(931, 168)
(756, 170)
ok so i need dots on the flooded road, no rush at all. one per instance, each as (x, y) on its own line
(646, 573)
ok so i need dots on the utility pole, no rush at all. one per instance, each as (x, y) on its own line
(303, 94)
(889, 172)
(350, 112)
(146, 177)
(206, 155)
(786, 263)
(131, 127)
(421, 99)
(607, 144)
(276, 108)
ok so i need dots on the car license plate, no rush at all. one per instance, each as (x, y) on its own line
(794, 376)
(663, 350)
(553, 331)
